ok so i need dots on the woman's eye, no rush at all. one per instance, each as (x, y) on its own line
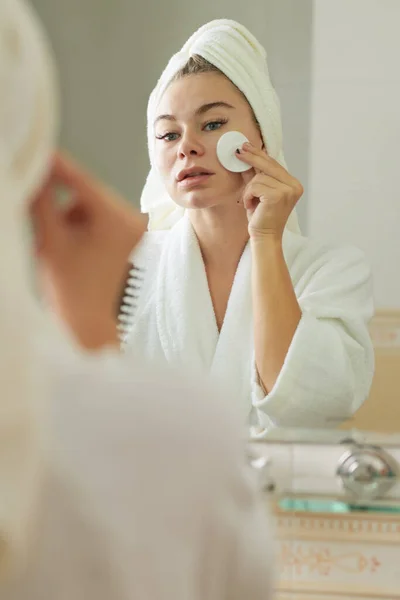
(168, 137)
(214, 125)
(172, 137)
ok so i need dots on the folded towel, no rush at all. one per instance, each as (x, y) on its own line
(235, 51)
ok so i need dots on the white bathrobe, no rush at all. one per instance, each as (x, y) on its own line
(115, 484)
(329, 366)
(141, 497)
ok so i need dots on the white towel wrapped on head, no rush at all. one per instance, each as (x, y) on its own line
(237, 54)
(27, 130)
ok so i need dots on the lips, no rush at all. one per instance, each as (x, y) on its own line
(192, 173)
(197, 174)
(194, 180)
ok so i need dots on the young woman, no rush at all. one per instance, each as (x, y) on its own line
(224, 284)
(85, 448)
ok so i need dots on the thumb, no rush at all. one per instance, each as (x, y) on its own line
(67, 173)
(44, 217)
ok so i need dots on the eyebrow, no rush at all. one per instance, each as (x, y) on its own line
(200, 111)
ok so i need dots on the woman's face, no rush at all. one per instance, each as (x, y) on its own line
(193, 114)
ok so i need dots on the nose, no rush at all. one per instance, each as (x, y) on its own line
(190, 145)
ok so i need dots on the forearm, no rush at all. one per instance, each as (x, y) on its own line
(276, 311)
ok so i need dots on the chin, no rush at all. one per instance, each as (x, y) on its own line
(197, 199)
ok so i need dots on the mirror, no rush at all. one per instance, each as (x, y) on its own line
(354, 147)
(339, 87)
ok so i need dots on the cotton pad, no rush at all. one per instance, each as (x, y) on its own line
(226, 151)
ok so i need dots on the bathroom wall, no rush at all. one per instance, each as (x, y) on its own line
(354, 194)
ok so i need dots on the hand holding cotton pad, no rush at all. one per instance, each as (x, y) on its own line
(226, 151)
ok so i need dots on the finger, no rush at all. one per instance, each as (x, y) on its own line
(68, 173)
(268, 181)
(270, 199)
(261, 185)
(287, 193)
(257, 175)
(44, 216)
(261, 193)
(261, 161)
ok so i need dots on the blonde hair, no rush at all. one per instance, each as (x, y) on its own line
(196, 65)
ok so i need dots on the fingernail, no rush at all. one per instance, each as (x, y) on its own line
(246, 146)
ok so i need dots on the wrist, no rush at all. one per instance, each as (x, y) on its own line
(269, 234)
(267, 243)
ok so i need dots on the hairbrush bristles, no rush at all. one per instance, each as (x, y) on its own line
(128, 305)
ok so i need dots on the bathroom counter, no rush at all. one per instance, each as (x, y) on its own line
(337, 512)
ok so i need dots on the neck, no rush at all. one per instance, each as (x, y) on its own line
(222, 234)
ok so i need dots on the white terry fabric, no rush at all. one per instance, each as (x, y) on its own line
(329, 366)
(236, 52)
(144, 498)
(122, 501)
(29, 109)
(27, 130)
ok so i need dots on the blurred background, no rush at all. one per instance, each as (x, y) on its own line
(335, 67)
(111, 53)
